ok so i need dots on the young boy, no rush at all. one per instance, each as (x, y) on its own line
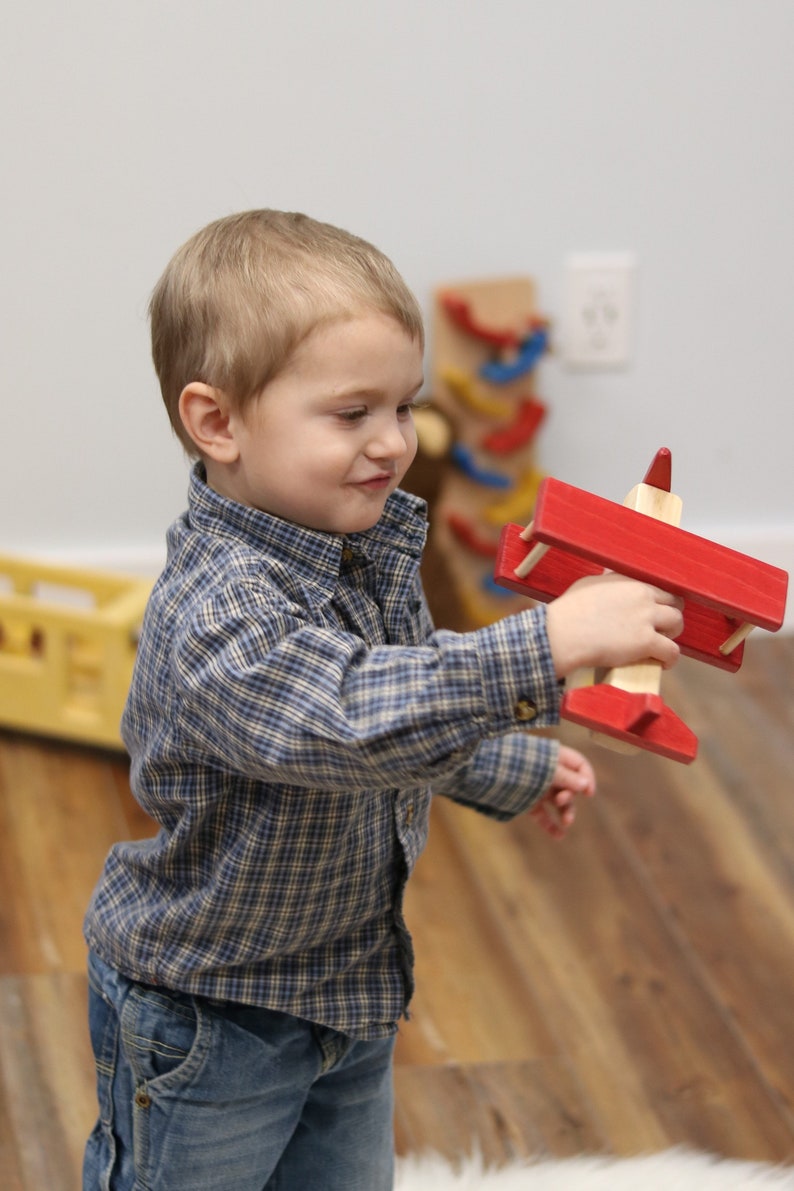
(291, 710)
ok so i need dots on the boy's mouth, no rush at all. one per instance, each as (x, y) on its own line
(376, 483)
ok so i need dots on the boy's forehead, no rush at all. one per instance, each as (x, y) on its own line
(360, 337)
(356, 356)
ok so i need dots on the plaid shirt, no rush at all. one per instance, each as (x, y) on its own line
(290, 711)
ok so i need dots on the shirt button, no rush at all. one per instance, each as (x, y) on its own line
(347, 554)
(525, 710)
(143, 1100)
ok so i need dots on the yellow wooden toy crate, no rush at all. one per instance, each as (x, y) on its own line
(67, 645)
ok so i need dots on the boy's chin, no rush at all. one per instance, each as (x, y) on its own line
(359, 520)
(357, 524)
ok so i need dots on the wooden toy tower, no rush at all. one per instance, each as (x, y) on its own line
(487, 341)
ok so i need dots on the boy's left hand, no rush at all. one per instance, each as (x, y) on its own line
(555, 811)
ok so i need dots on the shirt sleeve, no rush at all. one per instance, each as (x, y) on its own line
(504, 776)
(277, 698)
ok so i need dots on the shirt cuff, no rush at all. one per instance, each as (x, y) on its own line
(505, 776)
(521, 686)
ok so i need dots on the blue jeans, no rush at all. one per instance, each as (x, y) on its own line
(198, 1095)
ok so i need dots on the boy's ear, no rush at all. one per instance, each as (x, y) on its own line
(205, 413)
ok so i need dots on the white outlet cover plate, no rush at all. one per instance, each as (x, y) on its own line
(598, 314)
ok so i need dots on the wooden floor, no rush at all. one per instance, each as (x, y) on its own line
(629, 989)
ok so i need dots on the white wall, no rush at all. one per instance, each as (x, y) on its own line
(467, 140)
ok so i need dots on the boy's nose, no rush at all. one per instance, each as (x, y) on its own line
(389, 441)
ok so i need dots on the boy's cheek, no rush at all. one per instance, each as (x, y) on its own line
(410, 454)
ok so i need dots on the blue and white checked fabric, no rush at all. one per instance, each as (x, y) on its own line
(290, 712)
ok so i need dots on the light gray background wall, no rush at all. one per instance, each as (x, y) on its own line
(466, 139)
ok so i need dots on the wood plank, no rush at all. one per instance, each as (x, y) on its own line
(748, 743)
(635, 1020)
(505, 1110)
(49, 1101)
(60, 811)
(9, 1152)
(61, 808)
(457, 1015)
(728, 884)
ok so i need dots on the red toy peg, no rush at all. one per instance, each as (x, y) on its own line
(465, 532)
(459, 311)
(659, 474)
(521, 430)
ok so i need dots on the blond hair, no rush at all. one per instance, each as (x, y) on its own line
(238, 298)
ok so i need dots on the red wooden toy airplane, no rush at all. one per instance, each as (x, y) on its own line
(726, 594)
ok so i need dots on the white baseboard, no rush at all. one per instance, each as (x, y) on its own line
(774, 545)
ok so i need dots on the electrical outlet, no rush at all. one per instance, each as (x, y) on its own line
(597, 322)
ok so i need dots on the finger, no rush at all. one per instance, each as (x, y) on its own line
(667, 597)
(575, 781)
(669, 621)
(583, 779)
(544, 820)
(567, 817)
(558, 810)
(668, 653)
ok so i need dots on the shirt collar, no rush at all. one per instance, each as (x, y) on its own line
(312, 553)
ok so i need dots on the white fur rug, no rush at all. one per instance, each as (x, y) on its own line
(674, 1170)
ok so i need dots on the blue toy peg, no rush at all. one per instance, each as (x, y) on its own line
(530, 351)
(463, 458)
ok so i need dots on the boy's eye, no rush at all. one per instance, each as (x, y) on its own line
(359, 412)
(410, 407)
(414, 404)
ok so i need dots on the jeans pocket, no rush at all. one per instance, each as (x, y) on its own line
(159, 1033)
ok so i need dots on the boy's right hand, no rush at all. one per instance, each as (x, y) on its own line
(610, 620)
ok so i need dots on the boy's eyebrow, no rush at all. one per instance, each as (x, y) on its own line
(352, 393)
(417, 387)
